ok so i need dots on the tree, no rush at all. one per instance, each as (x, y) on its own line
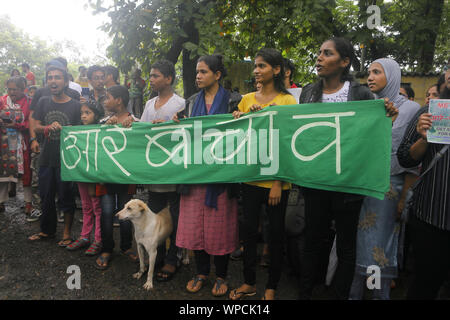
(414, 33)
(146, 30)
(16, 47)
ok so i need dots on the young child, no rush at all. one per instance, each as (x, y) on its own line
(90, 203)
(115, 196)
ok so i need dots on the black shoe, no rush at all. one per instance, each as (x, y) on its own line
(237, 254)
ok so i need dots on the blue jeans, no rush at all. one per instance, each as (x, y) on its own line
(111, 204)
(360, 283)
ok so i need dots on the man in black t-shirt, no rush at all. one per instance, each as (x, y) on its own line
(51, 114)
(44, 92)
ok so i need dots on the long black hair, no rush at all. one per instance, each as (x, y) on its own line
(97, 113)
(214, 63)
(445, 94)
(121, 92)
(345, 50)
(274, 58)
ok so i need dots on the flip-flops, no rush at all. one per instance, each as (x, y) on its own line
(239, 295)
(131, 254)
(165, 275)
(63, 243)
(103, 260)
(193, 288)
(216, 287)
(40, 236)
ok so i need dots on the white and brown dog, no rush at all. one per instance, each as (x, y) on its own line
(150, 230)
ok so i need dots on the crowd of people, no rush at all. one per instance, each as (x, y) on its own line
(205, 217)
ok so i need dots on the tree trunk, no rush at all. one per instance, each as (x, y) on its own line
(432, 15)
(189, 74)
(189, 65)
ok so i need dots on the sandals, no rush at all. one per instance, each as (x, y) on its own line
(65, 242)
(219, 282)
(197, 280)
(78, 244)
(130, 253)
(104, 261)
(164, 276)
(239, 295)
(94, 249)
(41, 236)
(264, 296)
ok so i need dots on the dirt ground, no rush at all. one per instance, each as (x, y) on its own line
(38, 270)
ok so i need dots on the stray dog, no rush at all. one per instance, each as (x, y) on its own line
(150, 230)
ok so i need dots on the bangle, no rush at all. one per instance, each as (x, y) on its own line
(46, 131)
(32, 139)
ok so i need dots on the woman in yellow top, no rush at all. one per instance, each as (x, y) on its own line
(269, 71)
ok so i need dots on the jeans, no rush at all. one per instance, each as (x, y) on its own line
(50, 184)
(320, 208)
(360, 283)
(156, 202)
(253, 198)
(111, 204)
(431, 255)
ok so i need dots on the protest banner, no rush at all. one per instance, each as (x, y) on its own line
(331, 146)
(440, 129)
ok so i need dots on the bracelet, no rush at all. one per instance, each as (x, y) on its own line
(46, 131)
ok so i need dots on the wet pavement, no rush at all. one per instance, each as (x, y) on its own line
(38, 270)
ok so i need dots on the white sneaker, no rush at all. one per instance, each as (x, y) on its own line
(34, 215)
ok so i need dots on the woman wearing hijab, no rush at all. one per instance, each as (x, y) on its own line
(208, 213)
(378, 228)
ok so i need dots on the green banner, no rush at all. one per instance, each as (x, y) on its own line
(332, 146)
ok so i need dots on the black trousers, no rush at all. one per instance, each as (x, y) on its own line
(203, 263)
(431, 254)
(50, 184)
(253, 199)
(156, 202)
(321, 207)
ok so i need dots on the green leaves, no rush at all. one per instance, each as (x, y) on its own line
(152, 29)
